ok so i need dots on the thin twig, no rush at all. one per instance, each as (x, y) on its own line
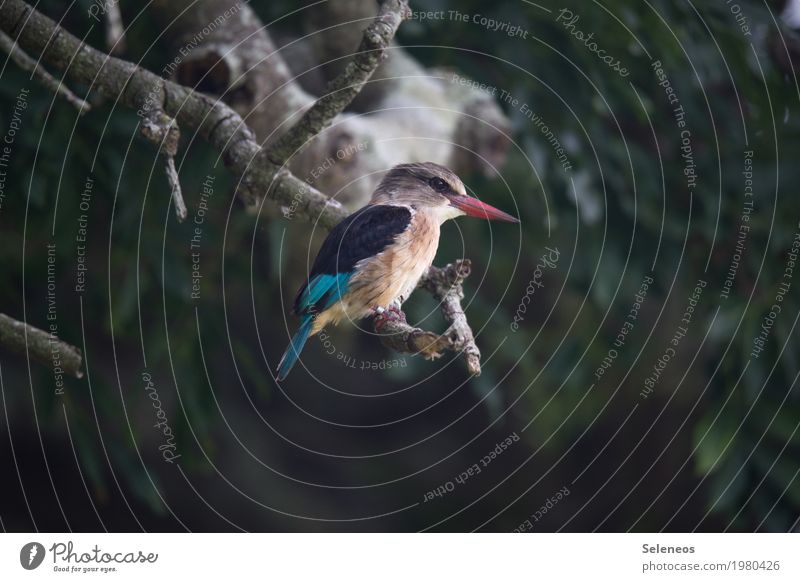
(26, 63)
(41, 346)
(175, 188)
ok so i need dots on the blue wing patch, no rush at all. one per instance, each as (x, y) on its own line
(363, 234)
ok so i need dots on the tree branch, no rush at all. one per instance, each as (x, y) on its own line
(345, 86)
(26, 63)
(155, 98)
(337, 29)
(449, 122)
(42, 347)
(446, 285)
(221, 47)
(139, 89)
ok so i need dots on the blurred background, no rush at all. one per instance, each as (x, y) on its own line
(621, 386)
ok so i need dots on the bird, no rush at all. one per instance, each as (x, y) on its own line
(372, 260)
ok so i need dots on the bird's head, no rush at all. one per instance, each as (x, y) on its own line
(432, 187)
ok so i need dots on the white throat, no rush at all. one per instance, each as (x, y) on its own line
(444, 213)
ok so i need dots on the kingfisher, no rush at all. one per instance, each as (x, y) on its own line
(372, 260)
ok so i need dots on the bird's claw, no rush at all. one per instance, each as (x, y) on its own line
(382, 316)
(396, 313)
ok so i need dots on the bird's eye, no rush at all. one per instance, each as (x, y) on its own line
(439, 185)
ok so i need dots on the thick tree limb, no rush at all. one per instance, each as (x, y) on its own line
(167, 102)
(343, 89)
(42, 347)
(135, 87)
(221, 47)
(26, 63)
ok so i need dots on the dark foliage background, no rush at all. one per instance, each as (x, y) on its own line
(715, 446)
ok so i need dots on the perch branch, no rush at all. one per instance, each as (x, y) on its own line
(164, 103)
(42, 347)
(345, 86)
(26, 63)
(446, 285)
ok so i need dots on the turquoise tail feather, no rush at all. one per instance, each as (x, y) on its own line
(320, 294)
(295, 347)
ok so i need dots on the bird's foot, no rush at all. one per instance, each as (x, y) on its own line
(396, 313)
(381, 316)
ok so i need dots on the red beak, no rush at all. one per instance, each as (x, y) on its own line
(474, 207)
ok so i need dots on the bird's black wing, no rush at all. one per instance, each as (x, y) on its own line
(363, 234)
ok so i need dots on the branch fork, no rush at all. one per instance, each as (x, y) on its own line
(26, 63)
